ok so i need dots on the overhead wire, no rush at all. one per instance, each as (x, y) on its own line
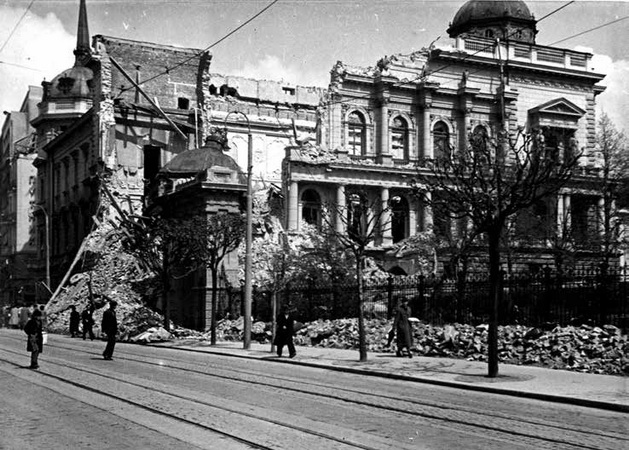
(196, 55)
(468, 56)
(28, 8)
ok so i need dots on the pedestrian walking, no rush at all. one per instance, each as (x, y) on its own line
(35, 343)
(14, 321)
(75, 318)
(285, 331)
(87, 320)
(25, 314)
(403, 328)
(110, 327)
(44, 317)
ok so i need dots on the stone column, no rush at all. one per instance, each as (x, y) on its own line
(567, 210)
(427, 151)
(601, 216)
(293, 206)
(340, 208)
(385, 218)
(427, 221)
(384, 128)
(560, 214)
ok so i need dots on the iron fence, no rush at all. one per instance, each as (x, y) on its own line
(591, 296)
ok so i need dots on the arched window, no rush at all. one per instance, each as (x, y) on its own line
(356, 133)
(441, 140)
(399, 138)
(311, 207)
(399, 218)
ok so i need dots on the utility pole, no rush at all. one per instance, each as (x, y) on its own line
(248, 235)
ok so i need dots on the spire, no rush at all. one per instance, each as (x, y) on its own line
(83, 48)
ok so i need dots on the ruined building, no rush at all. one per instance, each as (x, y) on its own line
(382, 123)
(107, 125)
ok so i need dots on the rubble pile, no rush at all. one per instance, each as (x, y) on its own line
(109, 273)
(603, 350)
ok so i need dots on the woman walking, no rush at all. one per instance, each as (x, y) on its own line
(35, 343)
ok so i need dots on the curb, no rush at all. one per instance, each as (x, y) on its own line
(417, 379)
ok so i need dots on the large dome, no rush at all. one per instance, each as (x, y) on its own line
(193, 161)
(484, 14)
(74, 83)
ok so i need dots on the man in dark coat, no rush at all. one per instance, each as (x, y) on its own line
(74, 321)
(109, 326)
(402, 327)
(35, 343)
(285, 331)
(88, 322)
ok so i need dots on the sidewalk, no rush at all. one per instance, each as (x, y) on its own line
(597, 391)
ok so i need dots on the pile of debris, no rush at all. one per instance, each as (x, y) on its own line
(109, 273)
(601, 350)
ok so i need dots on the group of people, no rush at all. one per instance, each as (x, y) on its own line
(86, 319)
(34, 329)
(402, 329)
(17, 316)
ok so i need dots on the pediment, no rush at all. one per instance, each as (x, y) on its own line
(559, 106)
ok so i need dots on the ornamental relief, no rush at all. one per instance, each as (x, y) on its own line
(553, 84)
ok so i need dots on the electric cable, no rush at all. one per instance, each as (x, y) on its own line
(17, 25)
(196, 55)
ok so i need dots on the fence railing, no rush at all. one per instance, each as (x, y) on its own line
(586, 296)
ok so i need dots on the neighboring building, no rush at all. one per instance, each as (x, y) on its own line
(18, 249)
(107, 125)
(200, 182)
(382, 123)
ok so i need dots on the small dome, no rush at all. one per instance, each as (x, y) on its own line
(481, 12)
(191, 162)
(75, 82)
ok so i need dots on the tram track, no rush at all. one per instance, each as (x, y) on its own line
(477, 421)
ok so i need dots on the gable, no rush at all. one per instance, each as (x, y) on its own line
(559, 106)
(559, 113)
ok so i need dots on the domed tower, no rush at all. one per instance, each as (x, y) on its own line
(497, 19)
(70, 94)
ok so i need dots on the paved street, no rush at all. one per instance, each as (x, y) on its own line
(158, 398)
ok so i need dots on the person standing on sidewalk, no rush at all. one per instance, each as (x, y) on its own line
(75, 318)
(87, 320)
(35, 343)
(285, 331)
(110, 327)
(403, 328)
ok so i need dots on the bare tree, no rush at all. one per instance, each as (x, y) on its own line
(487, 183)
(362, 220)
(217, 236)
(162, 247)
(611, 180)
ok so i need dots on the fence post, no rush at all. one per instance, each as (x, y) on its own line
(421, 288)
(390, 297)
(548, 295)
(602, 296)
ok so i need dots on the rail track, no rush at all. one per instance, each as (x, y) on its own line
(188, 405)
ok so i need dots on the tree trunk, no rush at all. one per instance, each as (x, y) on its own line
(214, 273)
(494, 289)
(362, 341)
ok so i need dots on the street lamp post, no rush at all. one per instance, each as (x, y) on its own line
(47, 231)
(248, 235)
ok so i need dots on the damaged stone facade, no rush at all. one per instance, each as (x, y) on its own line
(109, 124)
(381, 123)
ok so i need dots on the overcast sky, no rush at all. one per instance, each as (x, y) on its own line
(294, 40)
